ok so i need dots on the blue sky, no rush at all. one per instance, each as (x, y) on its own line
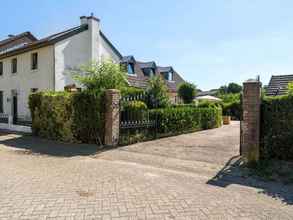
(210, 42)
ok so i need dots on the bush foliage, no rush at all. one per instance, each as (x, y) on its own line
(276, 128)
(233, 109)
(187, 92)
(172, 121)
(97, 77)
(66, 116)
(158, 93)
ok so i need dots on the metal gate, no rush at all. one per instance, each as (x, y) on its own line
(137, 122)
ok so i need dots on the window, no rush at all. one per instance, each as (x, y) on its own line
(33, 90)
(1, 68)
(14, 65)
(1, 101)
(168, 76)
(130, 69)
(149, 72)
(34, 61)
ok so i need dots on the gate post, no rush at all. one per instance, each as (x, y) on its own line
(251, 121)
(112, 117)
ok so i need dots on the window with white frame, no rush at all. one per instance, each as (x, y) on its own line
(14, 65)
(1, 69)
(34, 61)
(130, 69)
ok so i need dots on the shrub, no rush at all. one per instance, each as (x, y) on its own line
(134, 111)
(206, 104)
(99, 77)
(134, 106)
(230, 97)
(172, 121)
(158, 93)
(131, 91)
(290, 88)
(276, 128)
(233, 109)
(88, 118)
(66, 116)
(187, 92)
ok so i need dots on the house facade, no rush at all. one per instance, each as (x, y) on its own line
(28, 64)
(139, 74)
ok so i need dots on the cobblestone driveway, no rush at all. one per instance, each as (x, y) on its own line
(184, 177)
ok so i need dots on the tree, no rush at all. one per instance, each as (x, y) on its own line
(223, 90)
(187, 92)
(157, 92)
(234, 88)
(99, 77)
(231, 88)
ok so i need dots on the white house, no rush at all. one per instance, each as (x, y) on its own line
(28, 64)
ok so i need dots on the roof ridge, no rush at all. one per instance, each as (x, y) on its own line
(14, 37)
(282, 75)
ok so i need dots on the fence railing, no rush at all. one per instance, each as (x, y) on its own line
(4, 118)
(136, 122)
(23, 121)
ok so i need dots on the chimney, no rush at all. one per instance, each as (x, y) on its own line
(94, 36)
(83, 20)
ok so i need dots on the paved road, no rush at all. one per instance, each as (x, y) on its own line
(184, 177)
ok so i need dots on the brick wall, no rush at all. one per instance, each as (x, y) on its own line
(251, 121)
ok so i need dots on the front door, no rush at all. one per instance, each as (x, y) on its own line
(14, 108)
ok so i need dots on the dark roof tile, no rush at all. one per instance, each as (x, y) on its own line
(279, 85)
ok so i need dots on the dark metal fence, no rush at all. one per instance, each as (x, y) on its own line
(4, 118)
(23, 121)
(137, 123)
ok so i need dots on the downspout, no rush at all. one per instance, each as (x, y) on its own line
(54, 69)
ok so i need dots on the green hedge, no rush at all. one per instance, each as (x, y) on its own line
(70, 117)
(172, 121)
(233, 109)
(277, 128)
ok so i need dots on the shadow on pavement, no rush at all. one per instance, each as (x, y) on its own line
(234, 173)
(47, 147)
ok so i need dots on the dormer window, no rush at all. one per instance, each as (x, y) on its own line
(130, 69)
(149, 72)
(168, 76)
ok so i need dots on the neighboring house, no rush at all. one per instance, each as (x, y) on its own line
(139, 74)
(279, 85)
(28, 64)
(211, 92)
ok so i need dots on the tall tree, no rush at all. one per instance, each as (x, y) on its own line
(158, 93)
(234, 88)
(187, 92)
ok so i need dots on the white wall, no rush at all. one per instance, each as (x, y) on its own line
(80, 49)
(25, 78)
(107, 52)
(69, 54)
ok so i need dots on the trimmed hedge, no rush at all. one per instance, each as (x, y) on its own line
(69, 117)
(277, 128)
(173, 121)
(233, 109)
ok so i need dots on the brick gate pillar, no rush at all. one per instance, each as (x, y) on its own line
(112, 117)
(251, 121)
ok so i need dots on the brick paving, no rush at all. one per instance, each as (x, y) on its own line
(173, 178)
